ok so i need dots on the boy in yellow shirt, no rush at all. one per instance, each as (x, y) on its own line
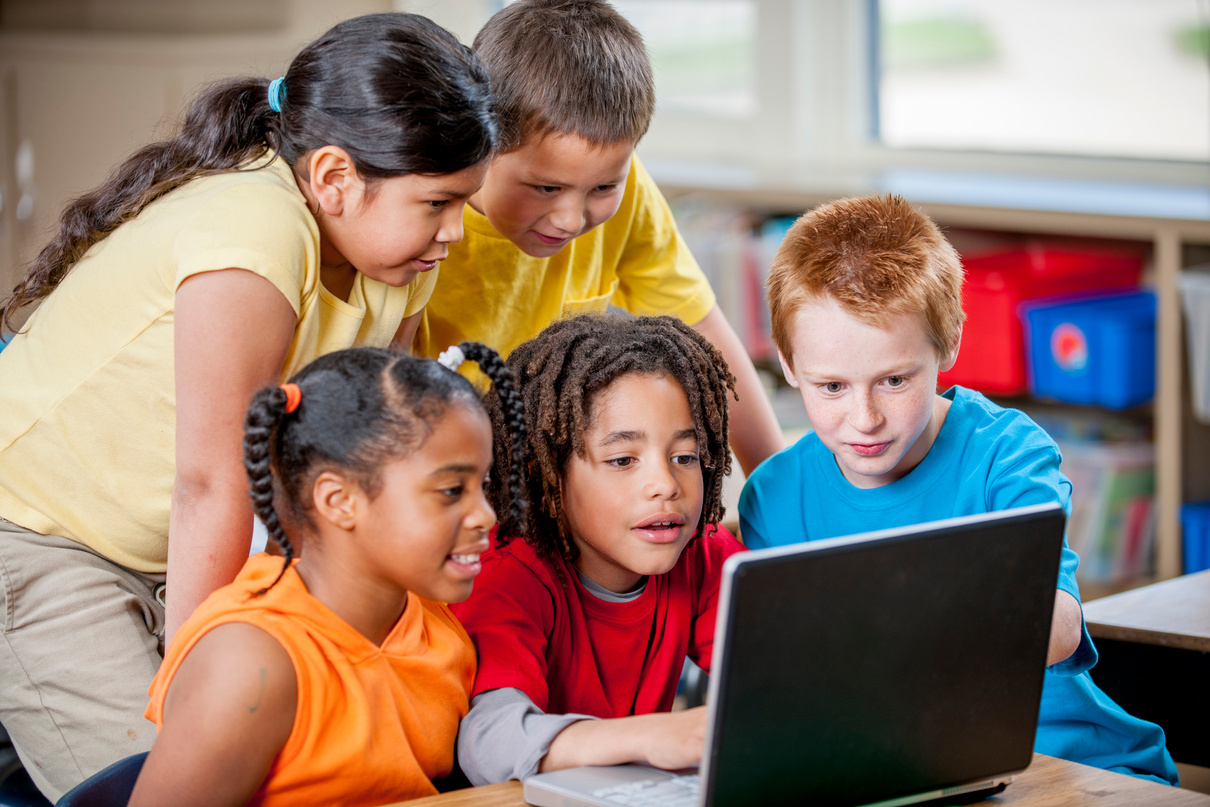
(568, 221)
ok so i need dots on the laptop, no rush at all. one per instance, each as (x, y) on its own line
(887, 668)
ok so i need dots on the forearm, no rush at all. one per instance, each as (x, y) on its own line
(505, 735)
(210, 530)
(666, 740)
(1064, 629)
(755, 433)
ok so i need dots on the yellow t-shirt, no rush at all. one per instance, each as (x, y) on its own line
(87, 392)
(492, 292)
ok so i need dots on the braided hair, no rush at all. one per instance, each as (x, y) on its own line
(360, 409)
(560, 371)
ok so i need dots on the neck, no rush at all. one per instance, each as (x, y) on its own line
(338, 279)
(371, 607)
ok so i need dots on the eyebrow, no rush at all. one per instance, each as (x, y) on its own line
(622, 437)
(614, 438)
(457, 468)
(561, 184)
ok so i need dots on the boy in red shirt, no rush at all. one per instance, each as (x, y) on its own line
(583, 625)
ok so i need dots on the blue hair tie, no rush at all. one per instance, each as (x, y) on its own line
(277, 93)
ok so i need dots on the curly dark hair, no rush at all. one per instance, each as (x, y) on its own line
(361, 408)
(560, 371)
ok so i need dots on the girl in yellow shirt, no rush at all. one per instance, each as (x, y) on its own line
(285, 220)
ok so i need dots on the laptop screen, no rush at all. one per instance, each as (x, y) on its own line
(863, 669)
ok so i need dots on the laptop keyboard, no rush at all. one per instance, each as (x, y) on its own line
(679, 791)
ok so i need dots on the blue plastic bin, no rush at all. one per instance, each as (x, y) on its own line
(1096, 351)
(1195, 524)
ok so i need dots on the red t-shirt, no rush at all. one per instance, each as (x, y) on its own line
(571, 652)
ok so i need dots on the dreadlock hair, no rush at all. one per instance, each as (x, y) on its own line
(560, 371)
(360, 409)
(397, 92)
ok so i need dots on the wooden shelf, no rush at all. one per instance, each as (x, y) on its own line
(1182, 443)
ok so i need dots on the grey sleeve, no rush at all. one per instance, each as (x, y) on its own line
(505, 736)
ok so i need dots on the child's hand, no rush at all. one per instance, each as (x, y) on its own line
(676, 739)
(667, 740)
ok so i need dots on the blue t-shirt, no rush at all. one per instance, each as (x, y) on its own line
(986, 458)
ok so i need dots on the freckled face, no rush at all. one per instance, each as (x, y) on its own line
(870, 392)
(550, 190)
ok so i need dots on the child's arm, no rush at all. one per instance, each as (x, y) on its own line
(667, 740)
(1065, 628)
(229, 710)
(506, 736)
(1026, 472)
(232, 329)
(755, 433)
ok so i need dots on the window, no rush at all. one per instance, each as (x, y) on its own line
(703, 53)
(837, 94)
(1104, 78)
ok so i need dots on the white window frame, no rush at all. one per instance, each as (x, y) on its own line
(814, 115)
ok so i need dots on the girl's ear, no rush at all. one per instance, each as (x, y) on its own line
(334, 498)
(332, 179)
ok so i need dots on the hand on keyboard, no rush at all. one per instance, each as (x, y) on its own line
(675, 739)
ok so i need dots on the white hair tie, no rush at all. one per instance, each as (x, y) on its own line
(452, 357)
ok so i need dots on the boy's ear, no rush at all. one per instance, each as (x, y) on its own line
(335, 499)
(332, 178)
(786, 371)
(948, 362)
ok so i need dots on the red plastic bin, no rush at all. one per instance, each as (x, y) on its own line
(992, 356)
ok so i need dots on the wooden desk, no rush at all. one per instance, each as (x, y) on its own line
(1154, 644)
(1048, 782)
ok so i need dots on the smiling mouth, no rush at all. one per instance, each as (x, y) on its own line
(467, 559)
(549, 240)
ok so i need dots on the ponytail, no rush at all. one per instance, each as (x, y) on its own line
(261, 426)
(400, 94)
(226, 127)
(511, 504)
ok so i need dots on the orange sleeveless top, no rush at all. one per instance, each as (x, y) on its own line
(374, 724)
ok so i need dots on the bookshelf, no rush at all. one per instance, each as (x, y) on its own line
(1172, 222)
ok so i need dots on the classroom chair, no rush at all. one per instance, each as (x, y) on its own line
(110, 787)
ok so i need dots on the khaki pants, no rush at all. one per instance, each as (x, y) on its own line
(82, 639)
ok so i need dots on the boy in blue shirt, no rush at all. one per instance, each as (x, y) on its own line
(866, 303)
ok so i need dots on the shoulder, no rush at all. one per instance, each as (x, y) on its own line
(711, 550)
(513, 575)
(787, 465)
(270, 184)
(230, 711)
(642, 203)
(981, 421)
(440, 616)
(236, 668)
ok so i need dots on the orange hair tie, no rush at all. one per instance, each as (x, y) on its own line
(293, 397)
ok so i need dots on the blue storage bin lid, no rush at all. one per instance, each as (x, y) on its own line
(1136, 305)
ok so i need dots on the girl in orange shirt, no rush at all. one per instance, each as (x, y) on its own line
(340, 677)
